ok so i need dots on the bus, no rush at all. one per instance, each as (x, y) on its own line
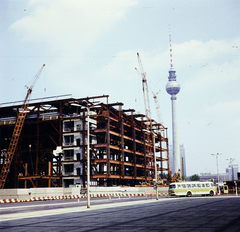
(192, 188)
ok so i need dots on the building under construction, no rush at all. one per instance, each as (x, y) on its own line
(52, 147)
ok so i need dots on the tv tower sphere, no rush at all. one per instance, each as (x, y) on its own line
(173, 88)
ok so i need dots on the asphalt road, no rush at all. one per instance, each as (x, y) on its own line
(129, 214)
(73, 204)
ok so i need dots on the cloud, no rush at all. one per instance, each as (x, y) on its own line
(67, 34)
(123, 62)
(70, 26)
(199, 65)
(197, 52)
(208, 64)
(211, 71)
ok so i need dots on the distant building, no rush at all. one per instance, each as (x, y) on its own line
(232, 171)
(182, 157)
(208, 177)
(231, 174)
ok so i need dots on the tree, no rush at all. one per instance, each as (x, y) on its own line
(195, 177)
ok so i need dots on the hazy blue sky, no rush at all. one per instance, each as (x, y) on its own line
(89, 48)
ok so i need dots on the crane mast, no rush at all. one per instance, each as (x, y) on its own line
(145, 94)
(157, 108)
(156, 104)
(147, 112)
(22, 113)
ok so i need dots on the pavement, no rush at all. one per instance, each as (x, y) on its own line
(219, 213)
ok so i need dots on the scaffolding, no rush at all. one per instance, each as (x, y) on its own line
(121, 150)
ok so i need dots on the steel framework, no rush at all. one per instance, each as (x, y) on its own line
(120, 155)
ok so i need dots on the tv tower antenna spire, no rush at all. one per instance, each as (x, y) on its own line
(170, 41)
(173, 89)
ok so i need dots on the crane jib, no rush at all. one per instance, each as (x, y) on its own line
(22, 113)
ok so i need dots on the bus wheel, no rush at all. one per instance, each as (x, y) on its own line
(211, 193)
(189, 194)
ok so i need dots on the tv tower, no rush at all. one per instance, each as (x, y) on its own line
(173, 89)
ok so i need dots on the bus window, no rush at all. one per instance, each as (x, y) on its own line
(178, 186)
(193, 186)
(188, 185)
(172, 186)
(183, 185)
(199, 185)
(212, 184)
(203, 185)
(207, 185)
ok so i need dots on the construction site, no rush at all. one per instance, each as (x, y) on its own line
(45, 142)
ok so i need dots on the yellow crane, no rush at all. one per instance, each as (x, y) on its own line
(22, 113)
(176, 177)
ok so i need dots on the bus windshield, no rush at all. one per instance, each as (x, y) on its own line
(172, 186)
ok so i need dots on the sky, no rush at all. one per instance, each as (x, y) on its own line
(89, 48)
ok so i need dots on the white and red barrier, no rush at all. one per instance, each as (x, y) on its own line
(153, 193)
(92, 195)
(9, 200)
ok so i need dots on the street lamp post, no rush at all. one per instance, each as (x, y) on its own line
(217, 167)
(86, 105)
(88, 154)
(155, 162)
(88, 161)
(217, 163)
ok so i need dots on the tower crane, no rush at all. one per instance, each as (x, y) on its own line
(147, 112)
(156, 104)
(157, 107)
(145, 94)
(22, 113)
